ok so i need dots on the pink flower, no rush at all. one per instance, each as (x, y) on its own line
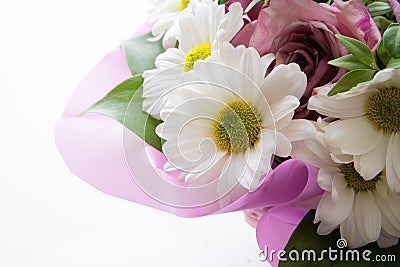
(303, 31)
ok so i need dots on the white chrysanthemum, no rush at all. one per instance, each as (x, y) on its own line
(200, 35)
(369, 128)
(165, 16)
(365, 210)
(226, 119)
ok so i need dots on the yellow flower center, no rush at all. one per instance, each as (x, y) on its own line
(355, 181)
(202, 51)
(184, 4)
(237, 127)
(383, 110)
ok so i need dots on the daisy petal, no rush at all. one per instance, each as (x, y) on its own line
(343, 134)
(338, 108)
(335, 212)
(392, 163)
(325, 178)
(349, 231)
(299, 130)
(283, 111)
(325, 229)
(284, 80)
(368, 218)
(372, 138)
(390, 213)
(283, 146)
(338, 185)
(386, 241)
(369, 165)
(250, 66)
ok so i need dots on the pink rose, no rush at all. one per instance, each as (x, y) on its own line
(303, 31)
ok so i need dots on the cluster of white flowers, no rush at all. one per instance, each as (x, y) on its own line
(225, 118)
(358, 153)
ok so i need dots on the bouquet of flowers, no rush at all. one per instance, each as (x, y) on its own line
(288, 110)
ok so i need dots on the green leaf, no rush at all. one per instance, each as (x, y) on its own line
(350, 80)
(383, 55)
(379, 8)
(391, 41)
(394, 63)
(359, 50)
(305, 238)
(348, 62)
(124, 104)
(221, 2)
(140, 53)
(382, 23)
(141, 123)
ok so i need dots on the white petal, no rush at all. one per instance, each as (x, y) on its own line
(325, 229)
(171, 36)
(188, 39)
(325, 178)
(368, 218)
(393, 163)
(170, 58)
(227, 180)
(299, 130)
(230, 25)
(389, 208)
(338, 185)
(313, 151)
(267, 60)
(162, 25)
(382, 188)
(284, 80)
(222, 80)
(349, 231)
(341, 158)
(229, 55)
(251, 66)
(209, 174)
(283, 146)
(372, 138)
(386, 78)
(335, 212)
(385, 241)
(369, 165)
(283, 111)
(345, 133)
(338, 108)
(258, 159)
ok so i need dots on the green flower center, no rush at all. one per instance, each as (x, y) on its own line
(383, 109)
(355, 181)
(237, 127)
(184, 4)
(202, 51)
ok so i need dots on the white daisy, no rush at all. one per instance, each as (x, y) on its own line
(365, 210)
(226, 119)
(165, 16)
(369, 125)
(200, 35)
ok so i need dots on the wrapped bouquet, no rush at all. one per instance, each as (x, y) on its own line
(288, 110)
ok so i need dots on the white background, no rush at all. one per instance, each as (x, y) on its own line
(49, 217)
